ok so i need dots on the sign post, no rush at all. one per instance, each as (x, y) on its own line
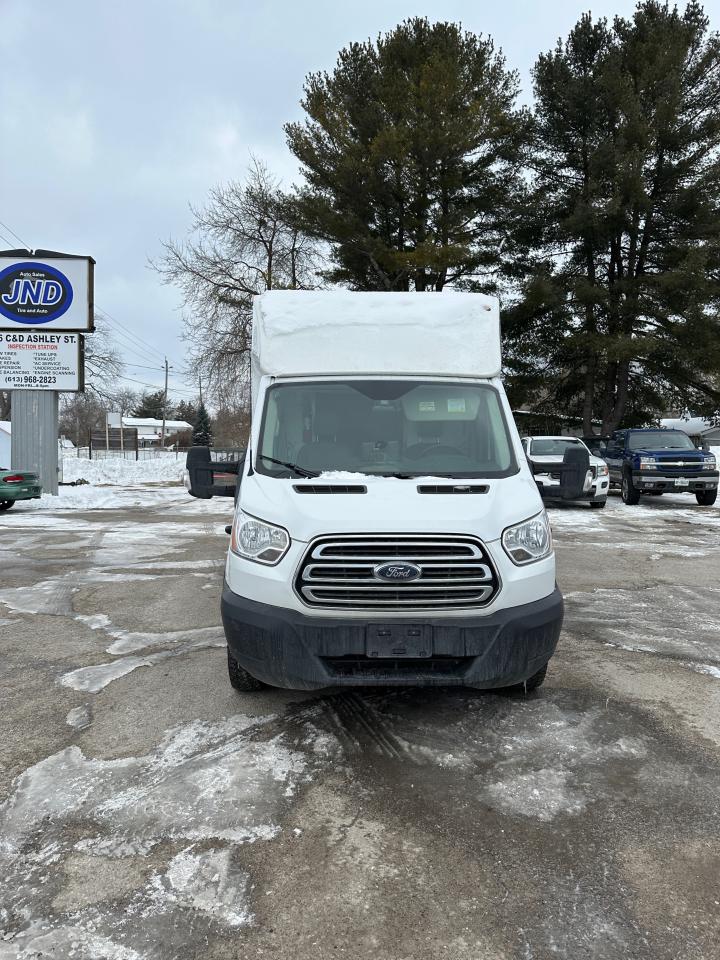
(46, 306)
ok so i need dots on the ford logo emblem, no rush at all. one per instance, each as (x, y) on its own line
(397, 570)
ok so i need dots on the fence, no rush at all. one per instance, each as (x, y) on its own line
(220, 455)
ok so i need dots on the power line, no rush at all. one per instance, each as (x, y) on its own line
(155, 386)
(5, 239)
(12, 232)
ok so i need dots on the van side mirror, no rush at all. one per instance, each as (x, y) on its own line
(575, 476)
(209, 478)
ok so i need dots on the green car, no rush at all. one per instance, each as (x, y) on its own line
(18, 485)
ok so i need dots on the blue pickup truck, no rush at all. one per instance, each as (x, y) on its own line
(655, 461)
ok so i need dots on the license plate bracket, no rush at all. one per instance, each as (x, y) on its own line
(682, 482)
(398, 641)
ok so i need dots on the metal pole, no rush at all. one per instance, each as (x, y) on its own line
(34, 435)
(162, 436)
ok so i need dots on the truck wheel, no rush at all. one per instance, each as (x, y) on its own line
(240, 679)
(598, 504)
(706, 498)
(6, 504)
(630, 495)
(532, 683)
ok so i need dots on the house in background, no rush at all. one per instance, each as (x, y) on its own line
(150, 430)
(700, 431)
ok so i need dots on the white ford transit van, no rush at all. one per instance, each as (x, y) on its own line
(387, 529)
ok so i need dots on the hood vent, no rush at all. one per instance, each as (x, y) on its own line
(461, 488)
(329, 488)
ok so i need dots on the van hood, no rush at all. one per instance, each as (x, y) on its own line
(391, 505)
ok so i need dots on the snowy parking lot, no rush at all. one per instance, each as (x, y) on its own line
(149, 812)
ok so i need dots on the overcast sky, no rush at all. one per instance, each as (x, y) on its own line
(115, 115)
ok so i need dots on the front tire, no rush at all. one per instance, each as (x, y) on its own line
(629, 493)
(532, 683)
(706, 498)
(6, 504)
(240, 679)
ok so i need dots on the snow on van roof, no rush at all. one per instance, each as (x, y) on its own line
(298, 333)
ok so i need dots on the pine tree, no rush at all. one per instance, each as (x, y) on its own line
(619, 313)
(150, 405)
(409, 152)
(202, 430)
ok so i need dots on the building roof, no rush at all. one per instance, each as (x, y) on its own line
(692, 426)
(170, 425)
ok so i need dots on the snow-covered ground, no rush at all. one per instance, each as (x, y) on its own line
(117, 471)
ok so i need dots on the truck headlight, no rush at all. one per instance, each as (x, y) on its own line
(528, 541)
(259, 541)
(648, 463)
(602, 470)
(710, 462)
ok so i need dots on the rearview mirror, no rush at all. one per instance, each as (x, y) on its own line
(204, 472)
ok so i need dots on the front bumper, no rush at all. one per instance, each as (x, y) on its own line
(8, 492)
(286, 648)
(598, 490)
(648, 480)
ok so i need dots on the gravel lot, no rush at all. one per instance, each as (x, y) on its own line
(151, 812)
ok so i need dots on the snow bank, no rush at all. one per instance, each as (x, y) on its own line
(120, 472)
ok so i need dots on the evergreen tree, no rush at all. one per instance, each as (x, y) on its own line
(202, 430)
(409, 152)
(150, 405)
(619, 314)
(185, 410)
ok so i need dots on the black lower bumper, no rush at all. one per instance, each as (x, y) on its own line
(288, 649)
(644, 480)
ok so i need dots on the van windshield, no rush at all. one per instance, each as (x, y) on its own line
(385, 428)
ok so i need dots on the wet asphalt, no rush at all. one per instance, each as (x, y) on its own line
(149, 811)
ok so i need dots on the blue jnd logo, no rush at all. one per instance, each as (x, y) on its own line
(34, 293)
(46, 293)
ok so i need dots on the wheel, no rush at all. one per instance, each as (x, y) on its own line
(598, 504)
(6, 504)
(629, 494)
(706, 498)
(532, 683)
(240, 679)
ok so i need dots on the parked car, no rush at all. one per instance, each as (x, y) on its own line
(656, 461)
(18, 485)
(548, 452)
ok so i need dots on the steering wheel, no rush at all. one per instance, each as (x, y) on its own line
(419, 452)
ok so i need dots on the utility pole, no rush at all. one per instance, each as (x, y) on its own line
(162, 435)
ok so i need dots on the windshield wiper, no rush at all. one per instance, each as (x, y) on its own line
(300, 471)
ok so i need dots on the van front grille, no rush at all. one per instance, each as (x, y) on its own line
(454, 572)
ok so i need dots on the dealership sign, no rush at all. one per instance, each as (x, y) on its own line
(40, 360)
(52, 293)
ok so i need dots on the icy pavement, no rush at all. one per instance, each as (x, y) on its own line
(149, 812)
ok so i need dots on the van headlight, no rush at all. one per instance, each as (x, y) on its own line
(602, 470)
(528, 541)
(256, 540)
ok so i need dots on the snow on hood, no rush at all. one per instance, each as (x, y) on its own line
(391, 506)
